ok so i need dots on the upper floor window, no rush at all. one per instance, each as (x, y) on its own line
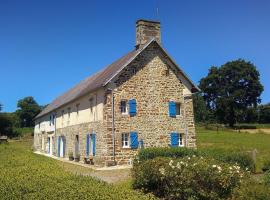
(178, 109)
(77, 109)
(91, 105)
(50, 120)
(69, 112)
(123, 107)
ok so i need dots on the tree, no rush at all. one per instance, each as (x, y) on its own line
(264, 113)
(5, 125)
(200, 110)
(231, 89)
(27, 110)
(1, 107)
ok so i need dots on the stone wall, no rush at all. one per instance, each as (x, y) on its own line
(153, 83)
(82, 130)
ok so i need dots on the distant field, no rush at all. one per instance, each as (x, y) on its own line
(232, 140)
(25, 175)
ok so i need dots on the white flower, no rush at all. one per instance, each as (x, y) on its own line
(171, 162)
(178, 165)
(162, 171)
(194, 156)
(246, 168)
(188, 158)
(214, 166)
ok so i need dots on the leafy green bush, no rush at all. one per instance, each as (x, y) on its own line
(187, 178)
(267, 178)
(266, 165)
(241, 158)
(150, 153)
(251, 190)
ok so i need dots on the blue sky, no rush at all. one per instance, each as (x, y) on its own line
(46, 47)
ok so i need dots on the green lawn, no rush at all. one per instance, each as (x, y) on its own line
(25, 175)
(231, 140)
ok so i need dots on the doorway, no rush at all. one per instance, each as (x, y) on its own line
(77, 147)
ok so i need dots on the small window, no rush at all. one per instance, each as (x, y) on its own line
(125, 140)
(133, 70)
(50, 120)
(53, 118)
(77, 109)
(178, 108)
(123, 107)
(69, 112)
(91, 105)
(180, 140)
(167, 72)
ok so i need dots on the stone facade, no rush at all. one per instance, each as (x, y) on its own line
(153, 80)
(153, 85)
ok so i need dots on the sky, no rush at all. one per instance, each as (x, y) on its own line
(47, 47)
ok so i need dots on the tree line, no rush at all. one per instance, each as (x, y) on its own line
(230, 94)
(27, 109)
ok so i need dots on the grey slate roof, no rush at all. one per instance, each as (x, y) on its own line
(98, 80)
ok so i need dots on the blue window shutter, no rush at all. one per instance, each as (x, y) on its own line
(132, 107)
(58, 146)
(172, 109)
(174, 139)
(87, 144)
(134, 140)
(94, 143)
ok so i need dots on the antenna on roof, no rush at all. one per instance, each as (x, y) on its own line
(157, 10)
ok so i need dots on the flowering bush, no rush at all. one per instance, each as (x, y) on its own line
(241, 158)
(191, 177)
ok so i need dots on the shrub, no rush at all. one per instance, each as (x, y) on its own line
(241, 158)
(267, 178)
(266, 165)
(150, 153)
(251, 190)
(187, 178)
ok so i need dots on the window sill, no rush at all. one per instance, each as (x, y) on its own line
(125, 148)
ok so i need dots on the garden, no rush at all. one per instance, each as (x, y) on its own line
(222, 167)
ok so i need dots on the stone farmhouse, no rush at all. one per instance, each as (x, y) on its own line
(141, 100)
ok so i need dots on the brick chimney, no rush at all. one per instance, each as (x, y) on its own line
(146, 30)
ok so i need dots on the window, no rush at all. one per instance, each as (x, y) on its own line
(91, 105)
(178, 108)
(123, 107)
(69, 113)
(180, 140)
(50, 120)
(125, 140)
(38, 125)
(77, 109)
(53, 119)
(133, 70)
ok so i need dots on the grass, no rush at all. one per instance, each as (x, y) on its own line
(25, 175)
(227, 140)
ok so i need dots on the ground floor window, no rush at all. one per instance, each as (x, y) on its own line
(180, 140)
(125, 140)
